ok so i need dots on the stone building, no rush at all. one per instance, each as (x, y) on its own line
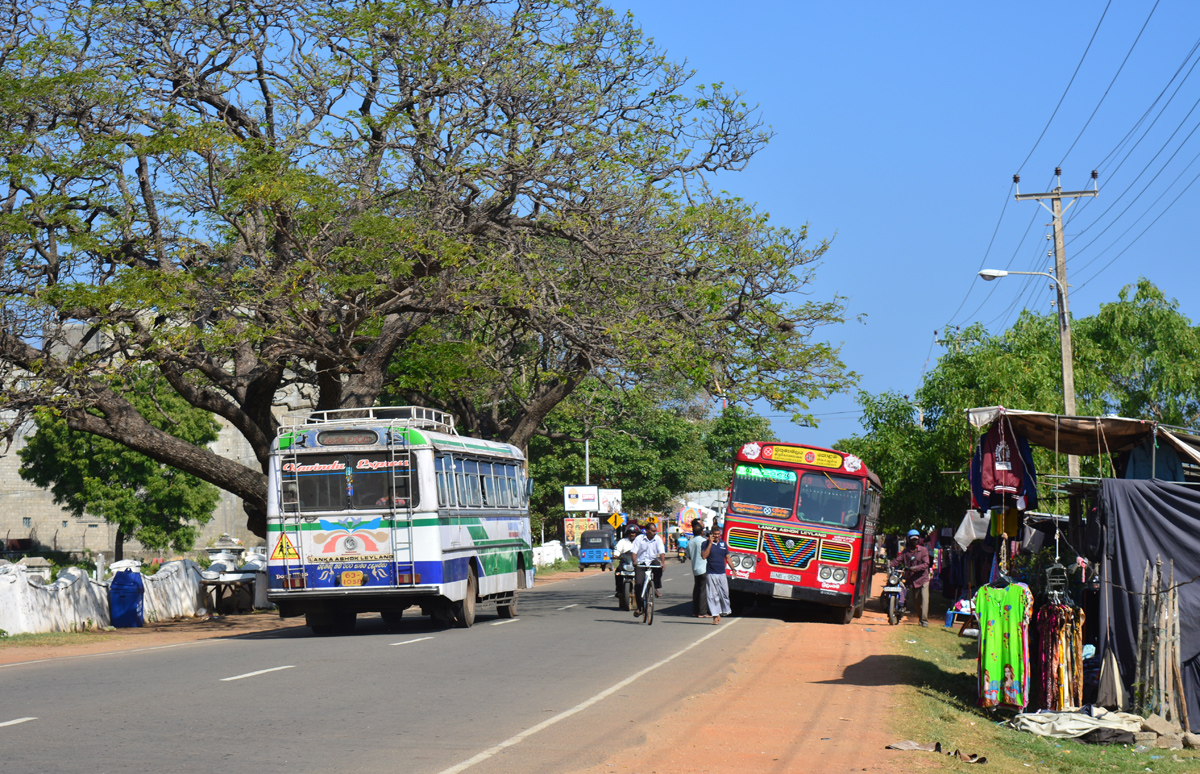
(28, 512)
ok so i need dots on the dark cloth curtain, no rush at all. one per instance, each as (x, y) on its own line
(1145, 520)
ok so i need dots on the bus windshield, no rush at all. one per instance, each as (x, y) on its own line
(336, 482)
(763, 491)
(829, 499)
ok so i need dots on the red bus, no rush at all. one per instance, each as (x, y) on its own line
(801, 525)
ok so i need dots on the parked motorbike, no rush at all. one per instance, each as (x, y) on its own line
(892, 598)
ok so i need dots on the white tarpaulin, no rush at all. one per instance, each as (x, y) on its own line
(75, 602)
(72, 603)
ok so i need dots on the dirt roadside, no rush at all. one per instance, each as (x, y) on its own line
(805, 696)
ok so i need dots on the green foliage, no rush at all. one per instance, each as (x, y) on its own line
(156, 504)
(475, 205)
(1137, 357)
(653, 451)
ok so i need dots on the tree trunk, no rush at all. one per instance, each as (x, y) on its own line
(119, 545)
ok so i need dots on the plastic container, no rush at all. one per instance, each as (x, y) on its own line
(126, 593)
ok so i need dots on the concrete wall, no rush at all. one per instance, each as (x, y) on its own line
(52, 528)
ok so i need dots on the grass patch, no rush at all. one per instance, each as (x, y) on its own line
(938, 704)
(52, 639)
(560, 565)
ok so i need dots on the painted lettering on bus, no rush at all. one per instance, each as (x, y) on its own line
(315, 467)
(377, 464)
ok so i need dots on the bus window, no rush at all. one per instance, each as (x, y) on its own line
(441, 489)
(290, 496)
(487, 486)
(502, 485)
(829, 499)
(320, 481)
(375, 476)
(460, 481)
(763, 491)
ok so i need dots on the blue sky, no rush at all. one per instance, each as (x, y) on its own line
(899, 127)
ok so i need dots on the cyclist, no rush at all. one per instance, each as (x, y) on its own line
(648, 549)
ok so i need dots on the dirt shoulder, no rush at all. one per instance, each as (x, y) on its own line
(805, 696)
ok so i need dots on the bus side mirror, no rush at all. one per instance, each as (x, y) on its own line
(528, 489)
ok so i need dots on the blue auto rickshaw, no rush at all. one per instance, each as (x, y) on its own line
(596, 547)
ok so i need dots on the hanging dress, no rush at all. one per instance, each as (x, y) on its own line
(1003, 645)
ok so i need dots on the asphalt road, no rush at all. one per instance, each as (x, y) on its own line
(571, 676)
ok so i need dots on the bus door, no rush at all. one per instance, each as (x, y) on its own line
(289, 548)
(403, 490)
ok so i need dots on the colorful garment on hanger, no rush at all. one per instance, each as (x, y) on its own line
(1060, 640)
(1003, 645)
(1006, 522)
(1002, 473)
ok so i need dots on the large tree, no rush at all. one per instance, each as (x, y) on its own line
(1138, 357)
(155, 504)
(310, 202)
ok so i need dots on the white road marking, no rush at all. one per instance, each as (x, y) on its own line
(15, 722)
(259, 672)
(513, 740)
(568, 607)
(501, 623)
(410, 642)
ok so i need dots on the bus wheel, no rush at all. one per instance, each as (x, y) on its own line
(844, 615)
(508, 609)
(320, 624)
(392, 617)
(738, 602)
(858, 610)
(343, 623)
(464, 610)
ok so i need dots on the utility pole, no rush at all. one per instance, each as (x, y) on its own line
(1060, 272)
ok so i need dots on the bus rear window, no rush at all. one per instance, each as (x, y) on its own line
(336, 482)
(759, 490)
(829, 499)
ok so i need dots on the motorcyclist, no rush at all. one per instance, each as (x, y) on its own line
(915, 561)
(623, 546)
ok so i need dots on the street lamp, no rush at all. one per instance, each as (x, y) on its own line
(1064, 337)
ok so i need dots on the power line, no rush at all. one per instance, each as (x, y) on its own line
(986, 252)
(1139, 236)
(1110, 83)
(1064, 94)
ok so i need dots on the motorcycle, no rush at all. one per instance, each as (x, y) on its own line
(681, 546)
(892, 598)
(625, 576)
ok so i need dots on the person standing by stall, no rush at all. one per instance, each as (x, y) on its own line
(695, 548)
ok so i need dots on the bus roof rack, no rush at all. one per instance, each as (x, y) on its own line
(394, 416)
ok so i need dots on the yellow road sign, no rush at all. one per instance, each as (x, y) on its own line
(284, 549)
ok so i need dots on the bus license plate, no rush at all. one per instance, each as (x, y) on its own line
(352, 578)
(782, 590)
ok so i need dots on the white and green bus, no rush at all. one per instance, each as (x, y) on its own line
(383, 509)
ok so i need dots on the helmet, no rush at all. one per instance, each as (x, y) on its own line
(914, 533)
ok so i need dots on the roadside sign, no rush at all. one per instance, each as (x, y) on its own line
(616, 520)
(580, 498)
(284, 549)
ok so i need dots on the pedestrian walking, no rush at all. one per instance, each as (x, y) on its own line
(695, 548)
(716, 553)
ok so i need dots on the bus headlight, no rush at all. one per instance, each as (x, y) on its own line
(839, 575)
(825, 573)
(745, 561)
(735, 561)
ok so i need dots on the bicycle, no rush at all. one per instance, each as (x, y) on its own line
(648, 594)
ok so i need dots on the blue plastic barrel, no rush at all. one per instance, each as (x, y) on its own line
(125, 595)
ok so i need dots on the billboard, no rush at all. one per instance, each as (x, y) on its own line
(610, 501)
(580, 498)
(574, 526)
